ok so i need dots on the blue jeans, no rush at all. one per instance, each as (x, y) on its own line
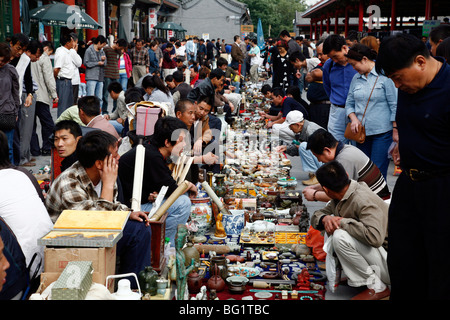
(117, 126)
(10, 138)
(300, 83)
(81, 90)
(309, 161)
(237, 85)
(94, 88)
(376, 148)
(179, 213)
(123, 81)
(337, 121)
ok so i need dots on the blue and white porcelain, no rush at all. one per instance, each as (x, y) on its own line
(234, 222)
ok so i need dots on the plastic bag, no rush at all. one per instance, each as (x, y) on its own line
(333, 269)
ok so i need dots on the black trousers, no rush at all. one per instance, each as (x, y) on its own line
(43, 113)
(319, 113)
(419, 239)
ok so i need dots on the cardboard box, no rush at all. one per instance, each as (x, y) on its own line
(56, 259)
(146, 118)
(74, 282)
(86, 228)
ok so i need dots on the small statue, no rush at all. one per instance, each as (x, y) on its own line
(202, 295)
(220, 230)
(240, 205)
(213, 294)
(303, 280)
(304, 221)
(182, 270)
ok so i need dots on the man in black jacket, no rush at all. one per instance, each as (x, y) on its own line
(167, 140)
(208, 86)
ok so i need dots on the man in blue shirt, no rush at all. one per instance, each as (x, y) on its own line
(337, 76)
(191, 49)
(419, 214)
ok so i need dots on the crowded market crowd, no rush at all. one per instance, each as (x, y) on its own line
(323, 93)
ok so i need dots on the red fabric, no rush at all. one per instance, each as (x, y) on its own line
(128, 65)
(194, 80)
(226, 294)
(315, 240)
(55, 164)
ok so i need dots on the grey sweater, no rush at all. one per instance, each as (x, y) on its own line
(93, 70)
(9, 88)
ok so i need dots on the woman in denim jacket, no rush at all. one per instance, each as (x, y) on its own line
(379, 119)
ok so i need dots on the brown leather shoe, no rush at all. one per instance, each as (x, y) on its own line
(28, 164)
(369, 294)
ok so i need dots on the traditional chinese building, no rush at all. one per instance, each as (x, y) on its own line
(212, 19)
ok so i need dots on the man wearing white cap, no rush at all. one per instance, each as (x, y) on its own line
(302, 129)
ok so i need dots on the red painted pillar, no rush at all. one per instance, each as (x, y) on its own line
(336, 22)
(15, 6)
(92, 10)
(347, 8)
(311, 29)
(315, 30)
(321, 26)
(328, 23)
(428, 10)
(361, 16)
(394, 14)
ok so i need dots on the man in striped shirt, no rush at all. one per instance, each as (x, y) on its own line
(359, 167)
(112, 53)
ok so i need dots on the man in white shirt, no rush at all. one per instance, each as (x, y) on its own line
(64, 71)
(77, 61)
(255, 60)
(180, 49)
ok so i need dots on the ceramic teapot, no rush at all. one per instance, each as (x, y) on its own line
(216, 282)
(194, 281)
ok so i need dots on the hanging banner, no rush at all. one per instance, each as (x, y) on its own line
(152, 20)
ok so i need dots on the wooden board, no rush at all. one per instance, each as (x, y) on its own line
(89, 220)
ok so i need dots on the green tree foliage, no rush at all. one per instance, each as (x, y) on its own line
(278, 14)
